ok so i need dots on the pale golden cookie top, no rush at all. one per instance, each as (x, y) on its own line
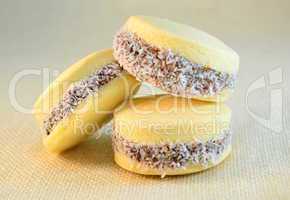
(195, 45)
(166, 118)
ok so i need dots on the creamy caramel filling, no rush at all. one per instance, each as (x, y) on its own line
(166, 70)
(79, 92)
(174, 155)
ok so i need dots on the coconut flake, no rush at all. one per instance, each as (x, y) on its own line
(173, 155)
(79, 91)
(167, 70)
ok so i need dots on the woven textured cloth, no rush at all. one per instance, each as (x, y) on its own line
(57, 33)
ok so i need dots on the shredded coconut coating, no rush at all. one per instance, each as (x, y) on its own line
(174, 155)
(166, 70)
(79, 91)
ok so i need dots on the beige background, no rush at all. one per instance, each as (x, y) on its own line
(36, 34)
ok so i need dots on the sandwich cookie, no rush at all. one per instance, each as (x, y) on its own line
(82, 99)
(166, 135)
(177, 58)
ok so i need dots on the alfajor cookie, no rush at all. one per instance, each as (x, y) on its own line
(166, 135)
(177, 58)
(82, 99)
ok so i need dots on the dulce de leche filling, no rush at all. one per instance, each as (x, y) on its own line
(174, 155)
(79, 91)
(166, 70)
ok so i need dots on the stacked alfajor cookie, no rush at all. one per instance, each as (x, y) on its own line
(188, 131)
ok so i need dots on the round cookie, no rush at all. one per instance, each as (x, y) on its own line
(166, 135)
(82, 99)
(177, 58)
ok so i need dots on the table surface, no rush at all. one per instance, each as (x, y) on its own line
(51, 35)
